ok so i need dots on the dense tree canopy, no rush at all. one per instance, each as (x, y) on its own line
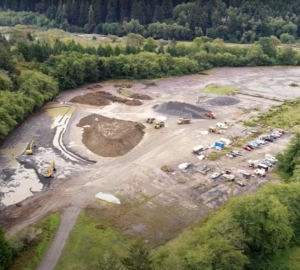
(233, 20)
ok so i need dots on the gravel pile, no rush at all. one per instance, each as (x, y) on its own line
(181, 109)
(223, 101)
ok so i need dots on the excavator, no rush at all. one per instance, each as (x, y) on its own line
(210, 115)
(159, 125)
(51, 170)
(184, 121)
(29, 151)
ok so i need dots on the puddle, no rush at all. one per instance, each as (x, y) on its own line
(58, 112)
(10, 154)
(21, 187)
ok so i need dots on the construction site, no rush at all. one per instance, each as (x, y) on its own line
(145, 142)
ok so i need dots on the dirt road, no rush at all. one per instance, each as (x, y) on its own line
(68, 220)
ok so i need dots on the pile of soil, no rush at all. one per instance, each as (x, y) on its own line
(223, 101)
(103, 98)
(123, 85)
(110, 137)
(135, 95)
(181, 109)
(91, 99)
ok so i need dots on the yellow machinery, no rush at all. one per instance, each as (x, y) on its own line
(29, 151)
(184, 121)
(214, 130)
(51, 170)
(159, 125)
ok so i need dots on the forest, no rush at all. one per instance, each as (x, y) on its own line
(241, 21)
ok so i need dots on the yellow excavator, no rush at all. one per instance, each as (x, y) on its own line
(29, 151)
(159, 125)
(51, 170)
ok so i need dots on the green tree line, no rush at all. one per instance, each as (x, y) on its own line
(234, 20)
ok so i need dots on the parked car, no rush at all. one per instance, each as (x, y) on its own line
(281, 131)
(229, 155)
(273, 161)
(268, 163)
(276, 135)
(262, 141)
(240, 182)
(237, 152)
(246, 148)
(257, 143)
(269, 139)
(215, 175)
(273, 136)
(233, 154)
(251, 146)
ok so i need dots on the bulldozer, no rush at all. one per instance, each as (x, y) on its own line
(150, 120)
(184, 121)
(214, 130)
(159, 125)
(29, 151)
(210, 115)
(51, 170)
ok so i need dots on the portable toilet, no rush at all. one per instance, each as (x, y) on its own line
(219, 144)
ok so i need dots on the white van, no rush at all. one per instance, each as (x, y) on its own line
(198, 149)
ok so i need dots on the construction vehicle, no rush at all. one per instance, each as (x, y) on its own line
(150, 120)
(29, 151)
(159, 125)
(214, 130)
(51, 170)
(210, 115)
(184, 121)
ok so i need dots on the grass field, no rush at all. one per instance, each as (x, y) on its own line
(220, 89)
(285, 116)
(34, 253)
(88, 241)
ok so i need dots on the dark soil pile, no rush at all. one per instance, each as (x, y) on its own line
(135, 95)
(102, 98)
(181, 109)
(91, 99)
(223, 101)
(109, 137)
(133, 102)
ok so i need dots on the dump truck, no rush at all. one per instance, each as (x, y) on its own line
(210, 115)
(184, 121)
(29, 151)
(159, 125)
(150, 120)
(214, 130)
(51, 170)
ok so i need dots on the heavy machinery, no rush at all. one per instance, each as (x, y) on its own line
(210, 115)
(51, 170)
(214, 130)
(184, 121)
(159, 125)
(150, 120)
(29, 151)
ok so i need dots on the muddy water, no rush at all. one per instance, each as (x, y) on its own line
(10, 154)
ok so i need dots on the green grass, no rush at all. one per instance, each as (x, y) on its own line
(216, 155)
(36, 250)
(285, 116)
(289, 259)
(221, 89)
(293, 84)
(88, 240)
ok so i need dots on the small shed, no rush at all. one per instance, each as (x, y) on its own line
(219, 144)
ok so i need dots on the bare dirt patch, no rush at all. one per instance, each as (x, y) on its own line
(109, 137)
(103, 98)
(181, 109)
(130, 94)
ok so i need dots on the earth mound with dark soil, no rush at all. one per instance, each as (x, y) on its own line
(223, 101)
(90, 99)
(110, 137)
(103, 98)
(134, 95)
(181, 109)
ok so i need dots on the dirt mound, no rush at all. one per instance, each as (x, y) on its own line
(133, 102)
(109, 137)
(181, 109)
(91, 99)
(223, 101)
(103, 98)
(130, 94)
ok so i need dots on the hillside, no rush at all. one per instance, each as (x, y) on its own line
(232, 20)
